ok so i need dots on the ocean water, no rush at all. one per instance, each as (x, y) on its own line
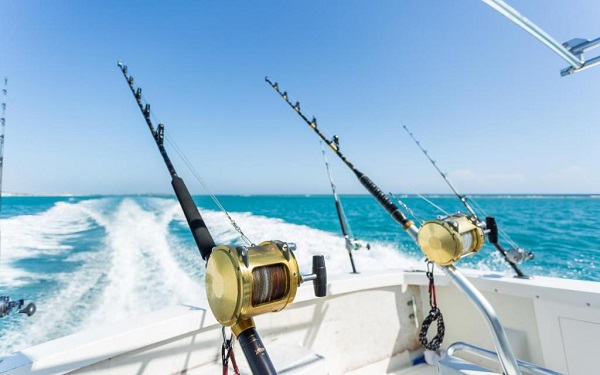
(88, 261)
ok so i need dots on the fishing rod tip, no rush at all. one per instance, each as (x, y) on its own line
(119, 63)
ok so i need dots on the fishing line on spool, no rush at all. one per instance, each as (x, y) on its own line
(270, 283)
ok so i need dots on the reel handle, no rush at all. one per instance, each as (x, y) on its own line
(30, 309)
(319, 276)
(320, 283)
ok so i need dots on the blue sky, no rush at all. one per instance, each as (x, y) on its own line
(483, 96)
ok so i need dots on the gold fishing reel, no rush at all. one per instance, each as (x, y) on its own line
(446, 240)
(243, 282)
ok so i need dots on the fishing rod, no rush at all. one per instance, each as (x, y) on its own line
(469, 231)
(444, 241)
(351, 243)
(379, 195)
(241, 281)
(512, 256)
(6, 305)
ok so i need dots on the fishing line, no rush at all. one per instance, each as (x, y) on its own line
(462, 198)
(432, 204)
(212, 196)
(270, 284)
(408, 209)
(191, 168)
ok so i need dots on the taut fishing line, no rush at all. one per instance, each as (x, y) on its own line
(179, 152)
(191, 168)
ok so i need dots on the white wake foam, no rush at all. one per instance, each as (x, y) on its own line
(310, 241)
(142, 263)
(33, 236)
(130, 272)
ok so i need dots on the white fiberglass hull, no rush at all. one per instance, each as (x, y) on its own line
(365, 325)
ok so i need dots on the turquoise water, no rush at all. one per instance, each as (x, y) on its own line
(88, 261)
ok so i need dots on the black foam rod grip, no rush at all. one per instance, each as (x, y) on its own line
(255, 353)
(200, 232)
(320, 283)
(382, 198)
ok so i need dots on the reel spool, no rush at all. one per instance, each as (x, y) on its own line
(243, 282)
(446, 240)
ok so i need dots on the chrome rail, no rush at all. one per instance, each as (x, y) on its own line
(505, 354)
(528, 367)
(571, 51)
